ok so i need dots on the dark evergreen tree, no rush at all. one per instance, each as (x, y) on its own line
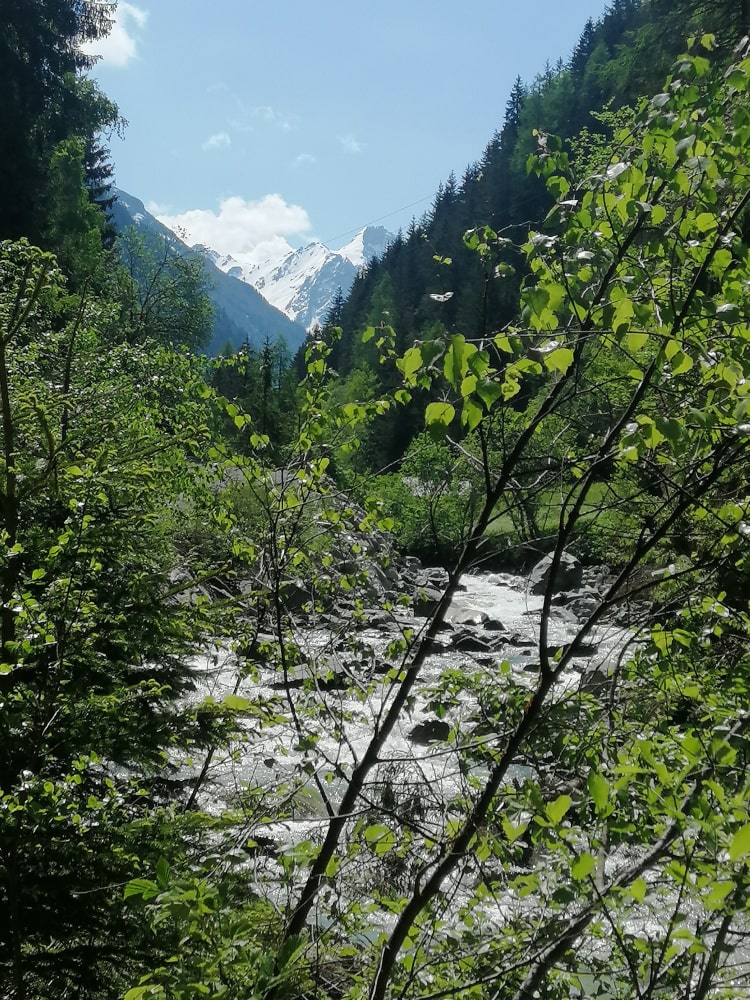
(513, 108)
(583, 49)
(333, 314)
(43, 101)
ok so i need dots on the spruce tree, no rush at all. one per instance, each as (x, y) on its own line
(43, 104)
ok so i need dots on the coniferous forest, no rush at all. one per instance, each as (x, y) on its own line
(255, 739)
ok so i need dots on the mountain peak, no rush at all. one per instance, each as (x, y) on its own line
(368, 243)
(303, 283)
(241, 314)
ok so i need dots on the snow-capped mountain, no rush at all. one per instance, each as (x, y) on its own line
(241, 314)
(303, 284)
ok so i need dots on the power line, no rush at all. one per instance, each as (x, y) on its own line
(419, 201)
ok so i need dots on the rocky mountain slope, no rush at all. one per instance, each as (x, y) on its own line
(305, 282)
(241, 313)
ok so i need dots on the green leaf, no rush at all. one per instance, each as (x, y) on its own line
(635, 341)
(637, 890)
(740, 846)
(141, 887)
(681, 363)
(162, 872)
(737, 78)
(489, 393)
(236, 703)
(510, 387)
(717, 895)
(513, 832)
(471, 414)
(583, 867)
(537, 298)
(556, 810)
(375, 832)
(410, 364)
(455, 364)
(624, 313)
(289, 950)
(559, 360)
(438, 418)
(380, 839)
(599, 791)
(705, 222)
(502, 343)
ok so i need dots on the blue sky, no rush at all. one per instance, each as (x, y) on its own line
(254, 122)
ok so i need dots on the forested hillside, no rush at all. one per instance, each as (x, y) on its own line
(431, 279)
(250, 746)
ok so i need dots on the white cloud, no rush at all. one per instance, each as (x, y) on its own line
(349, 144)
(273, 116)
(119, 47)
(219, 140)
(251, 231)
(304, 160)
(157, 208)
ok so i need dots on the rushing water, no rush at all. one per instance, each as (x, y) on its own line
(291, 764)
(328, 732)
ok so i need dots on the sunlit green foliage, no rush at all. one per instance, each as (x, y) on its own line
(630, 811)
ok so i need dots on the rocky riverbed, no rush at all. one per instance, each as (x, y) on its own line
(322, 707)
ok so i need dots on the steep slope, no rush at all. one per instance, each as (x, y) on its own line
(429, 282)
(624, 55)
(241, 314)
(304, 283)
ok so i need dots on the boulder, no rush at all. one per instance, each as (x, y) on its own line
(582, 649)
(568, 575)
(433, 576)
(470, 640)
(429, 731)
(596, 681)
(467, 616)
(426, 600)
(493, 625)
(519, 641)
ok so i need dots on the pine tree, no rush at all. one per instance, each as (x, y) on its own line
(43, 102)
(333, 313)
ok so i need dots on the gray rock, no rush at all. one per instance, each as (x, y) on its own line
(568, 575)
(470, 640)
(295, 594)
(582, 649)
(519, 641)
(426, 600)
(596, 681)
(494, 625)
(429, 731)
(410, 568)
(467, 616)
(433, 576)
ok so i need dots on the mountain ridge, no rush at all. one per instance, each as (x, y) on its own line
(304, 283)
(241, 313)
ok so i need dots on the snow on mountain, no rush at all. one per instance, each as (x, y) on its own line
(241, 314)
(368, 243)
(304, 282)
